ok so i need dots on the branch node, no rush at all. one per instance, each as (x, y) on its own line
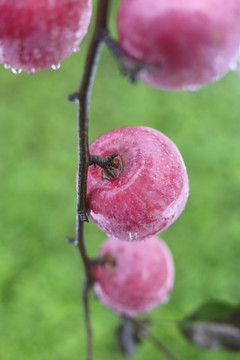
(71, 241)
(73, 97)
(82, 215)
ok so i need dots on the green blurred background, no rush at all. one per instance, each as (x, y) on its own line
(41, 314)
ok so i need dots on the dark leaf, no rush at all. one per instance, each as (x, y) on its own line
(130, 333)
(212, 325)
(126, 339)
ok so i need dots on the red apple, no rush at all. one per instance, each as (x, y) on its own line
(189, 43)
(36, 34)
(150, 191)
(141, 278)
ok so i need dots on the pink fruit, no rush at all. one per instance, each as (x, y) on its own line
(1, 54)
(141, 279)
(36, 34)
(150, 191)
(188, 42)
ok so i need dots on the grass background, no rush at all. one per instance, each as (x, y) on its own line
(41, 275)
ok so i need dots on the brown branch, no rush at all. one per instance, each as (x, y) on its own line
(82, 98)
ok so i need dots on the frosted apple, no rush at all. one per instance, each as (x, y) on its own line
(142, 277)
(189, 43)
(36, 34)
(150, 191)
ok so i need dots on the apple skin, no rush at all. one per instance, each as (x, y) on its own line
(188, 43)
(149, 193)
(141, 279)
(37, 34)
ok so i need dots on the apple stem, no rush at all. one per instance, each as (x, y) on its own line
(82, 98)
(106, 259)
(102, 161)
(127, 64)
(111, 165)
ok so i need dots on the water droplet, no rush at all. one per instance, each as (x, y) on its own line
(76, 49)
(132, 236)
(78, 34)
(233, 66)
(192, 87)
(16, 71)
(56, 67)
(31, 71)
(6, 66)
(165, 299)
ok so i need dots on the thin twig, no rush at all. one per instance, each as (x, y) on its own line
(85, 294)
(156, 342)
(82, 98)
(161, 347)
